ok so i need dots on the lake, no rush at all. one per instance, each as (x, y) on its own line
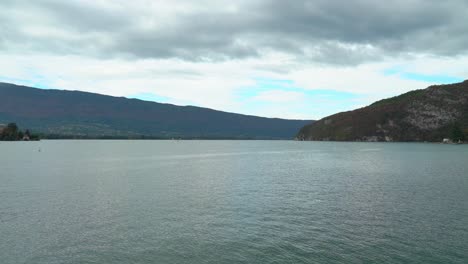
(232, 202)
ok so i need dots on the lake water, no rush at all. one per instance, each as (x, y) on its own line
(232, 202)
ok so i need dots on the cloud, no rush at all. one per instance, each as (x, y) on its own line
(229, 85)
(278, 96)
(321, 31)
(295, 59)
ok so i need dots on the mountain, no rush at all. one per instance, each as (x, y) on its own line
(429, 114)
(81, 114)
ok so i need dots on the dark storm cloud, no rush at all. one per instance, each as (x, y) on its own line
(335, 32)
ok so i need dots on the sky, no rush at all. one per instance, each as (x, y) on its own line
(274, 58)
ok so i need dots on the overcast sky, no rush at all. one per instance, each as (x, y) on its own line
(291, 59)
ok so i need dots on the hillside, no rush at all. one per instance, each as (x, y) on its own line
(74, 113)
(422, 115)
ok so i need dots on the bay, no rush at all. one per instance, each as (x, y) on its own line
(232, 202)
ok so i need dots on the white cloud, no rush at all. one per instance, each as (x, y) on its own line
(216, 84)
(278, 96)
(204, 52)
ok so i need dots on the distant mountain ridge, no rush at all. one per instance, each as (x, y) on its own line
(422, 115)
(74, 113)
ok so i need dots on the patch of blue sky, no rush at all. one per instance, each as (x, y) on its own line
(309, 108)
(312, 104)
(429, 78)
(150, 97)
(440, 79)
(265, 84)
(34, 80)
(392, 71)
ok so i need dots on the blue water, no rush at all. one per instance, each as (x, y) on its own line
(232, 202)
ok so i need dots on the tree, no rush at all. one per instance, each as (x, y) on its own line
(12, 127)
(457, 133)
(10, 133)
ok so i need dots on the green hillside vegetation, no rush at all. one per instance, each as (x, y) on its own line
(74, 114)
(430, 114)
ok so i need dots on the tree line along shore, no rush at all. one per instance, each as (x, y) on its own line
(11, 132)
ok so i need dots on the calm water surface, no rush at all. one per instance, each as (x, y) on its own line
(232, 202)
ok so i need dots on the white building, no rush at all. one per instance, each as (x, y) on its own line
(446, 141)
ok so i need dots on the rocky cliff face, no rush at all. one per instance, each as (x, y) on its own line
(422, 115)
